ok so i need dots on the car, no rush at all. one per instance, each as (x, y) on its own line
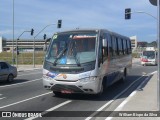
(7, 71)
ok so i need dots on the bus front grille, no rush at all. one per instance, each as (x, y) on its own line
(59, 87)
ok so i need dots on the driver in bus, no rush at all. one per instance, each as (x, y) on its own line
(54, 51)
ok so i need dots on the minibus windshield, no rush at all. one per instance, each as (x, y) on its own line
(72, 48)
(149, 54)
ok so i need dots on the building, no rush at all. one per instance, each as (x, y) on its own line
(24, 45)
(2, 44)
(133, 42)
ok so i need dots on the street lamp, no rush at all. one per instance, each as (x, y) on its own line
(158, 35)
(157, 3)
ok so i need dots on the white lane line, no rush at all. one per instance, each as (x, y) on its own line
(20, 83)
(108, 103)
(2, 98)
(119, 108)
(153, 72)
(51, 109)
(25, 100)
(30, 74)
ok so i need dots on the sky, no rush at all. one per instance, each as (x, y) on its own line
(105, 14)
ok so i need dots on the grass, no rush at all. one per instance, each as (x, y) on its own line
(27, 58)
(23, 58)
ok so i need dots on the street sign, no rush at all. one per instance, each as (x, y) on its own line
(153, 2)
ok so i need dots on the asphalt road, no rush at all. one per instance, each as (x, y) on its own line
(26, 94)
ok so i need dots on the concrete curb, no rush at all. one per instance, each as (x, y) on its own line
(30, 69)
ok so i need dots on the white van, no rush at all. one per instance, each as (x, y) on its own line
(149, 58)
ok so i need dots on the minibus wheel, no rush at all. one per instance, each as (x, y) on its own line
(101, 91)
(57, 93)
(123, 79)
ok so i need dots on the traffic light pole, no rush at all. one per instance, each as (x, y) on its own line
(34, 43)
(144, 13)
(17, 46)
(158, 41)
(156, 3)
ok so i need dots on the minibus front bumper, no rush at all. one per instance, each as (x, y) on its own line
(90, 86)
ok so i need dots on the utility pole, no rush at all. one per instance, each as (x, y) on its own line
(13, 38)
(157, 3)
(158, 35)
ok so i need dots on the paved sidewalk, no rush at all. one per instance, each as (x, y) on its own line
(28, 67)
(143, 100)
(135, 60)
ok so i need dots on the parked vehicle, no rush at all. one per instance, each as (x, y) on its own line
(7, 72)
(86, 61)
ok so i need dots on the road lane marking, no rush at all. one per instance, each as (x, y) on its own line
(2, 98)
(153, 72)
(20, 83)
(108, 103)
(25, 100)
(119, 108)
(51, 109)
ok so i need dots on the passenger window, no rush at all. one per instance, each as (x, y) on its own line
(124, 47)
(117, 47)
(120, 46)
(114, 46)
(110, 45)
(105, 49)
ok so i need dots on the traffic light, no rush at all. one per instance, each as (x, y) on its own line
(44, 37)
(59, 24)
(128, 13)
(32, 31)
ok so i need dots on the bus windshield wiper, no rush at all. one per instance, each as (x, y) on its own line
(77, 60)
(59, 55)
(75, 57)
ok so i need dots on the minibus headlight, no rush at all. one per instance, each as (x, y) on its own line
(46, 77)
(88, 79)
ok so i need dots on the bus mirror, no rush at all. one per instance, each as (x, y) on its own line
(104, 42)
(45, 46)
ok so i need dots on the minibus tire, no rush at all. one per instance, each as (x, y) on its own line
(101, 91)
(57, 93)
(123, 79)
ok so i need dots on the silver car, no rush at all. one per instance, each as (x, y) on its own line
(7, 72)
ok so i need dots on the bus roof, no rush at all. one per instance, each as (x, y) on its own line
(94, 30)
